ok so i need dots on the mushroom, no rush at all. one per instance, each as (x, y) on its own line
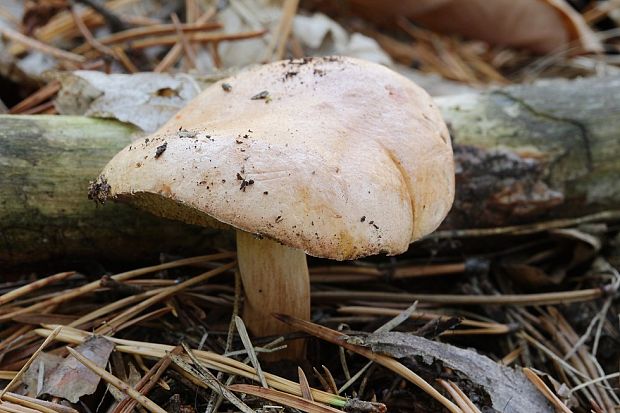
(332, 157)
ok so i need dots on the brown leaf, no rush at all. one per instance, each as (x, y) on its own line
(542, 26)
(70, 379)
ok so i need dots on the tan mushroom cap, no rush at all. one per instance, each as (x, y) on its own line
(342, 159)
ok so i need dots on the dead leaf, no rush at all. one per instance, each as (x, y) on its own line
(542, 26)
(146, 100)
(508, 389)
(38, 371)
(70, 379)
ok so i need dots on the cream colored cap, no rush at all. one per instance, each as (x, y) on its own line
(339, 157)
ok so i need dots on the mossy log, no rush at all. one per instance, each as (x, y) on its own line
(46, 163)
(523, 154)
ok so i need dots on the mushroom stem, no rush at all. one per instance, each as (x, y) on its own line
(275, 280)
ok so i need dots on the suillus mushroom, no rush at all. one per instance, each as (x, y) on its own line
(332, 157)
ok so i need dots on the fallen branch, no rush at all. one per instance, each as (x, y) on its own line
(525, 155)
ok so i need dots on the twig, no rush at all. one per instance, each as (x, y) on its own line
(350, 273)
(206, 378)
(40, 46)
(529, 228)
(398, 320)
(484, 326)
(90, 287)
(124, 59)
(88, 36)
(394, 365)
(277, 45)
(175, 52)
(201, 25)
(33, 286)
(542, 387)
(283, 398)
(42, 404)
(355, 377)
(457, 394)
(116, 23)
(189, 52)
(116, 382)
(21, 372)
(499, 299)
(165, 293)
(147, 382)
(45, 108)
(194, 37)
(39, 96)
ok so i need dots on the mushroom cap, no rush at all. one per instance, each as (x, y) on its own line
(339, 157)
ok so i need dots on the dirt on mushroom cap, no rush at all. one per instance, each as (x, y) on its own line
(339, 140)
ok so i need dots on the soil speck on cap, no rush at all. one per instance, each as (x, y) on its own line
(363, 218)
(99, 190)
(227, 87)
(184, 133)
(160, 149)
(290, 74)
(279, 219)
(245, 184)
(262, 95)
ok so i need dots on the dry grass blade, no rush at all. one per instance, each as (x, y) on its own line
(155, 30)
(16, 408)
(41, 404)
(526, 229)
(29, 405)
(35, 285)
(118, 383)
(247, 343)
(350, 273)
(499, 299)
(170, 40)
(330, 379)
(117, 321)
(355, 377)
(209, 359)
(339, 339)
(546, 391)
(283, 398)
(32, 358)
(461, 399)
(202, 376)
(40, 46)
(90, 287)
(32, 101)
(398, 319)
(146, 383)
(304, 385)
